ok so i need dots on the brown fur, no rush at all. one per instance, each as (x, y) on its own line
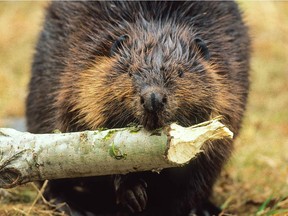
(108, 64)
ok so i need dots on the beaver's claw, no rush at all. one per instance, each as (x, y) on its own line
(132, 194)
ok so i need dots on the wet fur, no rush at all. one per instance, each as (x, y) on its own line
(76, 85)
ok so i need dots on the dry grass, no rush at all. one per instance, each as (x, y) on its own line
(27, 200)
(255, 182)
(19, 27)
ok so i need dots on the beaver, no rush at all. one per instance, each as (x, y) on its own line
(109, 64)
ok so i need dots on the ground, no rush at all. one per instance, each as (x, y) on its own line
(254, 182)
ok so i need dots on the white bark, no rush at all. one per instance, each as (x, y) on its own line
(26, 157)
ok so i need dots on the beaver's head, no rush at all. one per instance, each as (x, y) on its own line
(154, 75)
(167, 71)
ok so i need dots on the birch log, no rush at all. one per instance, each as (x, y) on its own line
(26, 157)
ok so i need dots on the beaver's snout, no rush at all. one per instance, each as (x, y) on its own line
(153, 99)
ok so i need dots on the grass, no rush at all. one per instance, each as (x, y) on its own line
(19, 27)
(255, 182)
(258, 172)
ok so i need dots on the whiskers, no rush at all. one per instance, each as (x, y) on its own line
(122, 119)
(191, 115)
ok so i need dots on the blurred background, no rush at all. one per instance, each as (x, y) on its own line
(255, 181)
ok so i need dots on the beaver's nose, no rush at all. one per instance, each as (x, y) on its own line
(153, 99)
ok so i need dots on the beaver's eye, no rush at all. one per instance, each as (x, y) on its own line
(118, 44)
(203, 49)
(180, 73)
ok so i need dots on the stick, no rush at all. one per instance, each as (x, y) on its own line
(26, 157)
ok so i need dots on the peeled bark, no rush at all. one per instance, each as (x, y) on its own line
(26, 157)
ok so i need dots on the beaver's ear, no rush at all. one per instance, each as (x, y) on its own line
(118, 44)
(204, 51)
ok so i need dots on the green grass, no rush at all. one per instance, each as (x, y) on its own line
(255, 182)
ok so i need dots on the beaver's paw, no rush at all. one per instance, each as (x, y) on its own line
(132, 194)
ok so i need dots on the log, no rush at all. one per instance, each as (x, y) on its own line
(26, 157)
